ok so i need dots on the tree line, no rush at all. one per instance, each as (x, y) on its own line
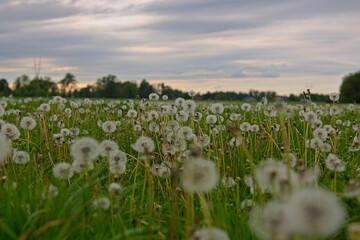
(110, 86)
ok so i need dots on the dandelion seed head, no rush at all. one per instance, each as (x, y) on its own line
(202, 140)
(255, 128)
(334, 110)
(65, 132)
(137, 128)
(333, 163)
(217, 108)
(3, 103)
(44, 107)
(79, 166)
(108, 147)
(191, 93)
(20, 157)
(189, 106)
(102, 203)
(10, 131)
(199, 175)
(246, 107)
(245, 126)
(185, 133)
(321, 134)
(211, 119)
(310, 116)
(210, 233)
(153, 96)
(197, 116)
(352, 189)
(316, 212)
(62, 170)
(228, 182)
(50, 193)
(5, 149)
(235, 142)
(115, 188)
(325, 147)
(84, 149)
(334, 96)
(179, 102)
(118, 156)
(270, 221)
(108, 126)
(144, 145)
(2, 111)
(172, 126)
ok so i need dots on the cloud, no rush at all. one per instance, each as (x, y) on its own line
(238, 74)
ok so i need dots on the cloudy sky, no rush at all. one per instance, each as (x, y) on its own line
(281, 45)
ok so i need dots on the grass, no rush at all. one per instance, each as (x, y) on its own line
(151, 207)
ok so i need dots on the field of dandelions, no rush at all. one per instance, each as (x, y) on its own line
(178, 169)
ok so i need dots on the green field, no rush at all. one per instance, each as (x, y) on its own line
(178, 169)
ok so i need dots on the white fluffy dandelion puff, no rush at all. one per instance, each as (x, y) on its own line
(217, 108)
(132, 113)
(102, 203)
(63, 170)
(50, 192)
(108, 147)
(334, 96)
(228, 182)
(202, 140)
(321, 134)
(211, 119)
(117, 162)
(84, 149)
(79, 166)
(199, 175)
(2, 111)
(10, 131)
(20, 157)
(5, 149)
(270, 221)
(115, 188)
(44, 107)
(144, 145)
(333, 163)
(28, 123)
(108, 126)
(210, 233)
(315, 212)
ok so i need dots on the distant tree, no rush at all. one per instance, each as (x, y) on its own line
(38, 87)
(350, 88)
(293, 98)
(145, 89)
(22, 81)
(128, 90)
(171, 93)
(108, 86)
(4, 87)
(67, 83)
(86, 92)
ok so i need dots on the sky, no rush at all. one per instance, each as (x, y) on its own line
(285, 46)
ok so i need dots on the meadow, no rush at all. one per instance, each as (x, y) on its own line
(178, 169)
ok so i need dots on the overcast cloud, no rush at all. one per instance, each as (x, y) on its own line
(280, 45)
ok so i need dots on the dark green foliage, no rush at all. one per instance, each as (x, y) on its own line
(67, 83)
(4, 87)
(38, 87)
(350, 88)
(110, 86)
(145, 89)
